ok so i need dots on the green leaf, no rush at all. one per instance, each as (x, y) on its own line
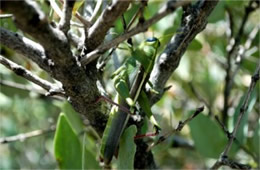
(208, 138)
(195, 45)
(76, 6)
(67, 148)
(73, 118)
(127, 149)
(218, 13)
(256, 140)
(236, 4)
(89, 156)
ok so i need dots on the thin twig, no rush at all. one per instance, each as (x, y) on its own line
(231, 49)
(99, 29)
(26, 47)
(223, 126)
(139, 28)
(102, 64)
(95, 13)
(64, 24)
(121, 107)
(21, 71)
(231, 164)
(28, 88)
(230, 30)
(4, 16)
(85, 22)
(139, 12)
(241, 54)
(177, 129)
(20, 86)
(243, 109)
(56, 8)
(196, 93)
(24, 136)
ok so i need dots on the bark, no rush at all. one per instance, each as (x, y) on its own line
(194, 20)
(79, 85)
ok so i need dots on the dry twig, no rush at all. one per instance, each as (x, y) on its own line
(21, 71)
(177, 129)
(24, 136)
(224, 156)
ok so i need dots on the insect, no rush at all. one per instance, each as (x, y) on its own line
(129, 83)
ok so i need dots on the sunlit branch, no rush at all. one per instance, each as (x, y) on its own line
(99, 29)
(26, 47)
(64, 24)
(95, 13)
(21, 71)
(29, 88)
(24, 136)
(3, 16)
(194, 20)
(139, 28)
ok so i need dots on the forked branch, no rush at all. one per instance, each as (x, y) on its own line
(224, 156)
(21, 71)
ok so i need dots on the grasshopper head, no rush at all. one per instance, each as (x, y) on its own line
(153, 41)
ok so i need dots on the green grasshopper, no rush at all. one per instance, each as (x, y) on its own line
(129, 82)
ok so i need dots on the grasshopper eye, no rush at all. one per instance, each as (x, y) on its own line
(153, 40)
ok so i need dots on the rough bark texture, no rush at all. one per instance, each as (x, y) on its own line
(194, 20)
(26, 47)
(98, 31)
(79, 85)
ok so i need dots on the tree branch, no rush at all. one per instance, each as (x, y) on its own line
(231, 164)
(64, 24)
(196, 93)
(97, 8)
(23, 136)
(31, 19)
(78, 83)
(21, 71)
(231, 49)
(178, 128)
(169, 8)
(97, 32)
(241, 54)
(3, 16)
(228, 134)
(26, 47)
(28, 88)
(194, 21)
(243, 109)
